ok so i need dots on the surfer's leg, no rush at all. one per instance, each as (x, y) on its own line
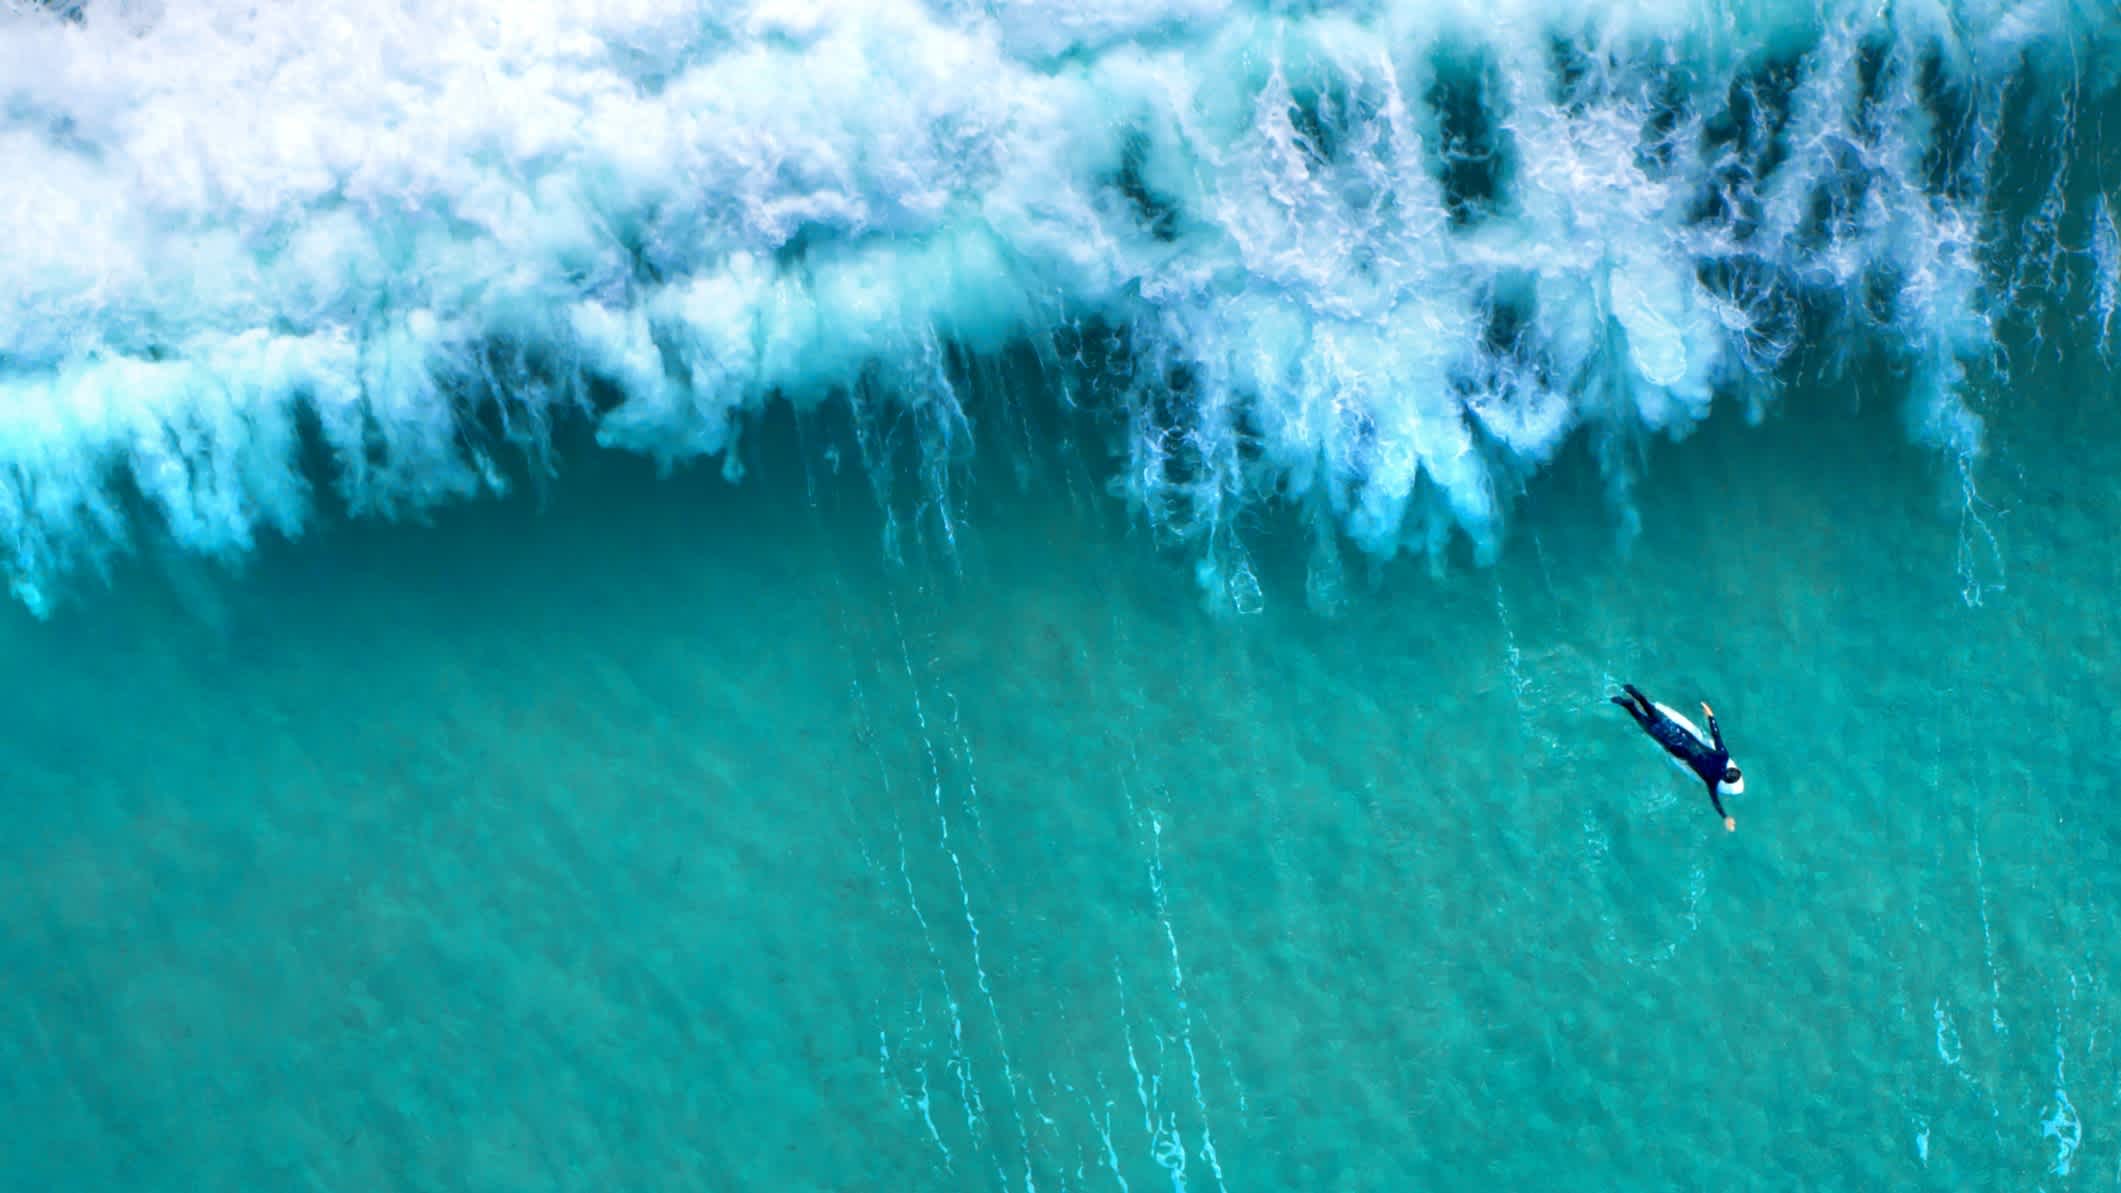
(1641, 715)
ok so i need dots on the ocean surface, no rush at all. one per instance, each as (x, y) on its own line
(1023, 596)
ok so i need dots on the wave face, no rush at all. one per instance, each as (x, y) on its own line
(1379, 261)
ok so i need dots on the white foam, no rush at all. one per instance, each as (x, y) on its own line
(219, 216)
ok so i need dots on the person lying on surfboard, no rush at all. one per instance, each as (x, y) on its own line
(1698, 754)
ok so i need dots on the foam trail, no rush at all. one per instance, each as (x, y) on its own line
(922, 1102)
(1103, 1127)
(1165, 1144)
(2062, 1124)
(1949, 1048)
(1951, 1051)
(2106, 278)
(964, 894)
(1988, 941)
(1178, 989)
(958, 1064)
(1377, 263)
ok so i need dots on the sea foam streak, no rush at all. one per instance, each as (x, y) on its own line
(1379, 261)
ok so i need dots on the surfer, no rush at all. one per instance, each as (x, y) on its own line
(1701, 755)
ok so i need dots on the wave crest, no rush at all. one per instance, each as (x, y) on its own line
(1380, 263)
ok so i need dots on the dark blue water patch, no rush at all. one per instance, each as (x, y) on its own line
(1473, 150)
(1155, 212)
(1745, 143)
(73, 12)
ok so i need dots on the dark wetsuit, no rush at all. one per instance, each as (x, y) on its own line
(1709, 761)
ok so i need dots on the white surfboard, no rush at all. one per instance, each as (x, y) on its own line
(1686, 724)
(1694, 730)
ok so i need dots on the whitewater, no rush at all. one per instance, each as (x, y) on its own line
(1375, 263)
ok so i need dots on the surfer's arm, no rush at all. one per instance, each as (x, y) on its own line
(1715, 734)
(1716, 801)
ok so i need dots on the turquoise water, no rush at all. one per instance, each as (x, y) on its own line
(904, 595)
(667, 835)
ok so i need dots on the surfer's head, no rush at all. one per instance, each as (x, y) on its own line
(1733, 783)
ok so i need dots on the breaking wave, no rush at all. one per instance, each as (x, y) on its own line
(1377, 262)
